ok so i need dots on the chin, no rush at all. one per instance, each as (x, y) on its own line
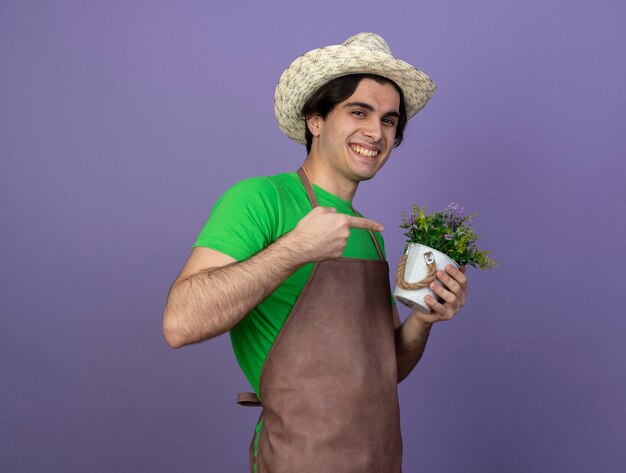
(364, 176)
(367, 171)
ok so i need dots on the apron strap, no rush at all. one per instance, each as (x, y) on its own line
(248, 400)
(304, 177)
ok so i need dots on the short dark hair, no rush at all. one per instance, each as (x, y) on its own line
(337, 90)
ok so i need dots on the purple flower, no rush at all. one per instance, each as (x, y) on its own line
(448, 236)
(453, 215)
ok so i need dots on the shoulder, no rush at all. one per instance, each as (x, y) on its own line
(269, 186)
(245, 219)
(252, 186)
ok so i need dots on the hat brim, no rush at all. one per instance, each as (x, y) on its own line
(314, 69)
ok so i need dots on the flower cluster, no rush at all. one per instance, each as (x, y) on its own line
(449, 232)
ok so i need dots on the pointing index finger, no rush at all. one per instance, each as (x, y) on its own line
(366, 223)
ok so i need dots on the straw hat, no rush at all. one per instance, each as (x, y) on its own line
(363, 53)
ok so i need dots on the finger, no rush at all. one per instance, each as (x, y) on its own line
(451, 284)
(423, 317)
(462, 269)
(457, 274)
(443, 293)
(439, 309)
(366, 223)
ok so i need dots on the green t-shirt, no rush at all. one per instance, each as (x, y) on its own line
(249, 217)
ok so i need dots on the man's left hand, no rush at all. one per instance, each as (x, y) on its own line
(451, 297)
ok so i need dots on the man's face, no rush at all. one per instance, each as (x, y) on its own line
(357, 136)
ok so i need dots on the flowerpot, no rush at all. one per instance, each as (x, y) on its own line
(416, 270)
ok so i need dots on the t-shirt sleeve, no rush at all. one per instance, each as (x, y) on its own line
(243, 221)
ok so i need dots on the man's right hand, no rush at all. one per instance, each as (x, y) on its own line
(323, 233)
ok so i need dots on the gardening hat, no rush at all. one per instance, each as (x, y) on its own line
(363, 53)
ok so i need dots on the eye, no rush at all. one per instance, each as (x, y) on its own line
(389, 121)
(358, 113)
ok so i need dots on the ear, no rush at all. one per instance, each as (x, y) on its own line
(314, 122)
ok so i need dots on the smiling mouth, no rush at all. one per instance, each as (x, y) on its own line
(363, 151)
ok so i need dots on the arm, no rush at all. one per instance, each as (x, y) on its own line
(214, 292)
(412, 335)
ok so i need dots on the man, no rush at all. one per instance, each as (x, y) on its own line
(299, 278)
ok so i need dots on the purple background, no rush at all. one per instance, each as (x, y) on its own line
(121, 124)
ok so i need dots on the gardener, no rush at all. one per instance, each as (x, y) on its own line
(300, 280)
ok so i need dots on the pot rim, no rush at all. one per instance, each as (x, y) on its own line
(409, 244)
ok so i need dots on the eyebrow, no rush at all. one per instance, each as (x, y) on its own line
(369, 108)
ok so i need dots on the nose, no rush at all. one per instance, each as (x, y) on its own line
(374, 130)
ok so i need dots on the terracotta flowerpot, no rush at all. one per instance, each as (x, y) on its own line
(420, 266)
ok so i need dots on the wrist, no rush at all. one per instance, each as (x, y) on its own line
(290, 247)
(413, 331)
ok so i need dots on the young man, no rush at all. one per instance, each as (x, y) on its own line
(300, 280)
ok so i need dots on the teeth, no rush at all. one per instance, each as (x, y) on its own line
(364, 152)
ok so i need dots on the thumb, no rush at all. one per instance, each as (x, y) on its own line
(325, 210)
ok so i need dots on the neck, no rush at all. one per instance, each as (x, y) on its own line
(328, 179)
